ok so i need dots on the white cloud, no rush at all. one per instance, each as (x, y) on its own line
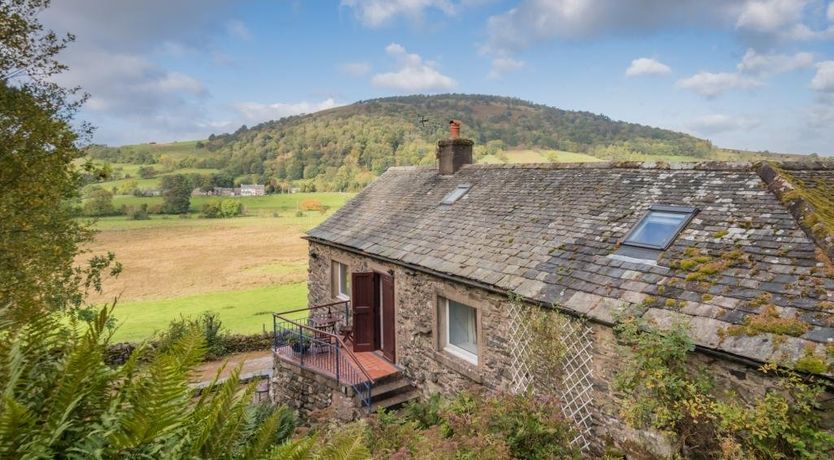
(533, 21)
(831, 12)
(771, 64)
(238, 29)
(355, 69)
(376, 13)
(824, 79)
(770, 15)
(782, 19)
(710, 84)
(504, 65)
(256, 112)
(647, 66)
(414, 74)
(719, 123)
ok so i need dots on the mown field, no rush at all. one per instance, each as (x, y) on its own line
(241, 268)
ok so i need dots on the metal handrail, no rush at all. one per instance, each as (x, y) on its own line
(324, 338)
(297, 310)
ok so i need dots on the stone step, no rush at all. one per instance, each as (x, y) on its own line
(391, 388)
(387, 379)
(396, 400)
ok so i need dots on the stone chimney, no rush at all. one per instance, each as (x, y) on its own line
(454, 152)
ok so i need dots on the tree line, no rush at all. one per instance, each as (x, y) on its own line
(343, 149)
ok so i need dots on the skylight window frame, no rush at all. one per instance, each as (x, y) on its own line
(689, 211)
(451, 197)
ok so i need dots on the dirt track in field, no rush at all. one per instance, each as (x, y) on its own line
(175, 261)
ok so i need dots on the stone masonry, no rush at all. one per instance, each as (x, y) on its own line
(433, 371)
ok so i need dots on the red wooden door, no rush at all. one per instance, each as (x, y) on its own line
(362, 290)
(388, 320)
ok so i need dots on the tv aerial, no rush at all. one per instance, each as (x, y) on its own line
(429, 126)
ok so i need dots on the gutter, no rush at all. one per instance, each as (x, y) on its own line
(727, 356)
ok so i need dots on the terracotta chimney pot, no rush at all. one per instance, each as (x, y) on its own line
(453, 153)
(454, 129)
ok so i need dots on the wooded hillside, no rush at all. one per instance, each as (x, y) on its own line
(342, 149)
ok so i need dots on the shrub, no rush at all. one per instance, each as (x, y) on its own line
(310, 204)
(231, 208)
(663, 392)
(211, 210)
(146, 172)
(99, 202)
(207, 324)
(139, 212)
(474, 426)
(222, 208)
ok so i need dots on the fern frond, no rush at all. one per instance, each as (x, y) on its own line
(347, 444)
(301, 449)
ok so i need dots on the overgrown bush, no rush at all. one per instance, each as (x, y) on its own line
(99, 202)
(136, 212)
(474, 426)
(146, 172)
(209, 326)
(221, 209)
(663, 391)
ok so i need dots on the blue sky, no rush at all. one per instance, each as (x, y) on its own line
(752, 74)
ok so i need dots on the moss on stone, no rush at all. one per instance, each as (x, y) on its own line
(810, 362)
(720, 234)
(769, 321)
(819, 196)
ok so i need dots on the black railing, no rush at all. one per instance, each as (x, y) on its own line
(308, 337)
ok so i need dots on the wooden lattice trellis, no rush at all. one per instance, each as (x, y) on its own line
(575, 388)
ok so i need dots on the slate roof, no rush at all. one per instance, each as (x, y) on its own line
(547, 232)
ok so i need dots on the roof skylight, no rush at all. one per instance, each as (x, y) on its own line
(659, 227)
(456, 194)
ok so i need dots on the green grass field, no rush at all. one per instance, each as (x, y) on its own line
(242, 268)
(538, 156)
(244, 311)
(267, 210)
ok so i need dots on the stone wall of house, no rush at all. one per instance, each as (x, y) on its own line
(313, 397)
(433, 371)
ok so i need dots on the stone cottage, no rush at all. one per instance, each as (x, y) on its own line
(421, 262)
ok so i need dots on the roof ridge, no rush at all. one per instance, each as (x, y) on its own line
(701, 165)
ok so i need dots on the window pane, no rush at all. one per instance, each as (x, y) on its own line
(462, 324)
(657, 228)
(344, 280)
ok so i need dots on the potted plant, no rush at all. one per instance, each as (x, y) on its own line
(298, 343)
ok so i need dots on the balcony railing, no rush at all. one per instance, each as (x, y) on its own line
(310, 338)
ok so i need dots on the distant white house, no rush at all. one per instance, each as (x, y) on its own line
(252, 190)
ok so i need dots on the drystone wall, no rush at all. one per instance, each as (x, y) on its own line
(313, 397)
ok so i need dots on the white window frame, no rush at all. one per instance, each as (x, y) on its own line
(337, 278)
(453, 349)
